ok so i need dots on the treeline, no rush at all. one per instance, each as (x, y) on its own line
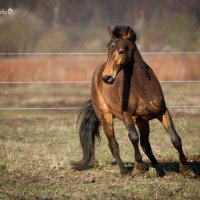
(80, 25)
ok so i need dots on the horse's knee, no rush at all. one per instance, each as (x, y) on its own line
(113, 144)
(133, 136)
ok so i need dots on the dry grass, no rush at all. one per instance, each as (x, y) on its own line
(64, 95)
(51, 68)
(175, 67)
(36, 148)
(81, 67)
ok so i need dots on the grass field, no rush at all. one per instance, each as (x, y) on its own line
(36, 147)
(64, 95)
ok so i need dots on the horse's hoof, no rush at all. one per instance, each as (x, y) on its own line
(185, 170)
(114, 162)
(141, 168)
(125, 172)
(159, 170)
(160, 173)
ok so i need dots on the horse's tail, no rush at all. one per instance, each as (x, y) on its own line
(88, 129)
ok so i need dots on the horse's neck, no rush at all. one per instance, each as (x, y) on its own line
(135, 63)
(128, 73)
(131, 72)
(137, 56)
(136, 69)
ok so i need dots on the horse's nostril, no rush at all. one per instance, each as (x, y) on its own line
(108, 79)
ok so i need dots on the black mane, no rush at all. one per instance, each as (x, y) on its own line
(120, 31)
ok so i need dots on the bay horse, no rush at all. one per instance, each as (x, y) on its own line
(125, 87)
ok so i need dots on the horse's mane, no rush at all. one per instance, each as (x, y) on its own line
(124, 32)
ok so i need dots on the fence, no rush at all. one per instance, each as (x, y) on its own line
(88, 82)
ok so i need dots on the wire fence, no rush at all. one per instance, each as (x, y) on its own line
(87, 82)
(95, 53)
(78, 108)
(83, 82)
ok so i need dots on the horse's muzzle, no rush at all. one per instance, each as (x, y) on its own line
(108, 79)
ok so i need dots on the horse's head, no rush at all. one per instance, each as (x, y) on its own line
(119, 50)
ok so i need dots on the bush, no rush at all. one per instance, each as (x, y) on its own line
(19, 32)
(54, 40)
(178, 33)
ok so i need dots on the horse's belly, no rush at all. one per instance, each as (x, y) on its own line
(150, 108)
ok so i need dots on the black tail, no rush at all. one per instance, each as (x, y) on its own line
(88, 129)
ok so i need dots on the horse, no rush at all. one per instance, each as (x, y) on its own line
(126, 88)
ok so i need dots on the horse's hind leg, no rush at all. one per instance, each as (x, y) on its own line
(140, 166)
(107, 123)
(167, 122)
(144, 130)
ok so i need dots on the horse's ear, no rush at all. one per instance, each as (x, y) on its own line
(110, 31)
(130, 34)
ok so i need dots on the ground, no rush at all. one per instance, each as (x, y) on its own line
(37, 146)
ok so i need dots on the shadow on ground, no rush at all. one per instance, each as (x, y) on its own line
(169, 166)
(174, 167)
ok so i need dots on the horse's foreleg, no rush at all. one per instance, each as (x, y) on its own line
(144, 130)
(167, 122)
(129, 122)
(107, 123)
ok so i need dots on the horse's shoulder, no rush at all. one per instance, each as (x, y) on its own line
(96, 78)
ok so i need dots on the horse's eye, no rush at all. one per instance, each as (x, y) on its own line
(121, 51)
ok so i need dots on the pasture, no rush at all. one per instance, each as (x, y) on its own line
(36, 147)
